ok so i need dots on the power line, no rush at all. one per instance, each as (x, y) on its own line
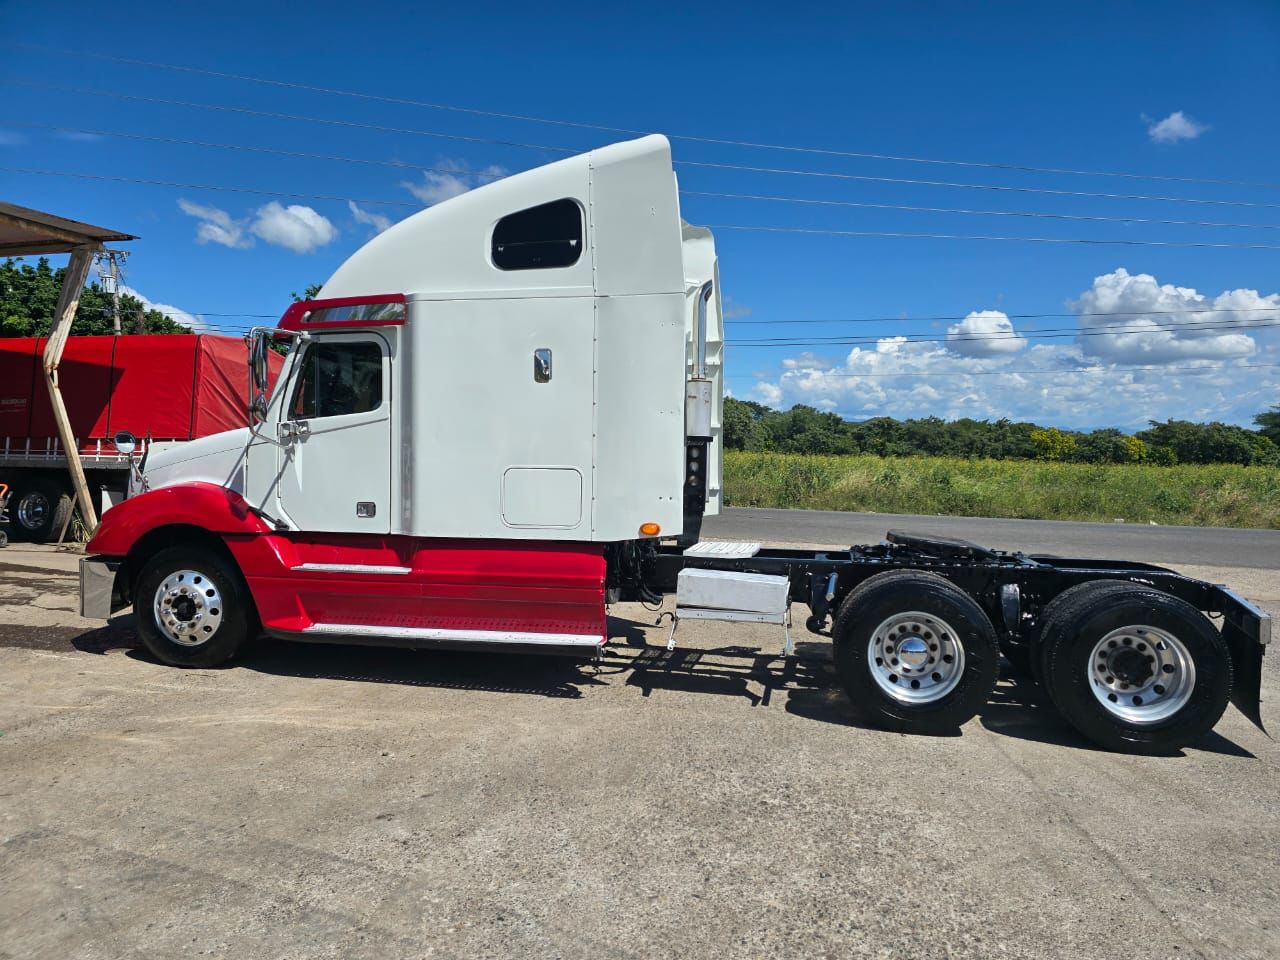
(204, 186)
(996, 337)
(1074, 371)
(968, 186)
(228, 108)
(718, 141)
(1044, 334)
(865, 178)
(295, 154)
(884, 234)
(401, 165)
(978, 213)
(1018, 316)
(738, 227)
(1051, 333)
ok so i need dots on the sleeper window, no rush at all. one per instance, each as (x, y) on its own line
(545, 236)
(338, 379)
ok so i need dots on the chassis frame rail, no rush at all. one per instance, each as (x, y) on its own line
(1013, 588)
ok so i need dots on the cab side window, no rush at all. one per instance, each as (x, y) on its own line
(338, 379)
(542, 237)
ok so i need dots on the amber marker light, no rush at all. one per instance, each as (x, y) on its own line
(650, 529)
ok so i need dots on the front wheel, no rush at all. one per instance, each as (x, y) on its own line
(915, 653)
(193, 608)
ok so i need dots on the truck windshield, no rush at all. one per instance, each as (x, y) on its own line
(338, 379)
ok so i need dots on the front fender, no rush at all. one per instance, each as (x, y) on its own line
(204, 505)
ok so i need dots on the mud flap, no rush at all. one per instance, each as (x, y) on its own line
(1246, 665)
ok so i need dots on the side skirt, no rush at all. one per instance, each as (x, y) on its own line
(581, 646)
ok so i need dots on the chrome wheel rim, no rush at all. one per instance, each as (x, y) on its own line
(915, 657)
(33, 510)
(188, 608)
(1141, 675)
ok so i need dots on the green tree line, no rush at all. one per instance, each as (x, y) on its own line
(29, 296)
(802, 429)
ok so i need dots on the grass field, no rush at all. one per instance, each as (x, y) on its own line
(1212, 496)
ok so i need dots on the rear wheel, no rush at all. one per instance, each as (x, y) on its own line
(38, 510)
(1066, 606)
(192, 607)
(914, 652)
(1136, 670)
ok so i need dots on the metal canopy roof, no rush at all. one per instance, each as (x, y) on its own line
(25, 232)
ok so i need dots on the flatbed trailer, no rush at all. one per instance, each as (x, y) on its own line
(503, 414)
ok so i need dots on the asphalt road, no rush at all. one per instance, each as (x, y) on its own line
(1206, 546)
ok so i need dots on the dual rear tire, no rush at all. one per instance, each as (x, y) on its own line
(914, 652)
(1132, 668)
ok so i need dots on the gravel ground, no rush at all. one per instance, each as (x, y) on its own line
(349, 803)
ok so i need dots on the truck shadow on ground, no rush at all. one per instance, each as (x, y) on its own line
(805, 684)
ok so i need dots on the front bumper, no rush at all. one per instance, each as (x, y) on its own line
(99, 597)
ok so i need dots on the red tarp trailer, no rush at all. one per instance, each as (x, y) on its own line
(162, 387)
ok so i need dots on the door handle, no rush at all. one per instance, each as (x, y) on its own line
(290, 430)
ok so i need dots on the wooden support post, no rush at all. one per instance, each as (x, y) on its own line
(68, 301)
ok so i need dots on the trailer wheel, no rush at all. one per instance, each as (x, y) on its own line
(1135, 669)
(915, 653)
(38, 510)
(193, 608)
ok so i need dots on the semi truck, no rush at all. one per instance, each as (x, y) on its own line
(502, 415)
(163, 389)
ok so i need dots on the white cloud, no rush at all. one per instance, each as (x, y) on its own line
(176, 314)
(456, 179)
(294, 227)
(1176, 126)
(733, 311)
(216, 226)
(1132, 318)
(770, 393)
(985, 333)
(368, 218)
(807, 361)
(1187, 371)
(11, 138)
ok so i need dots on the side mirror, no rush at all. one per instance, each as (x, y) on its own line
(125, 442)
(258, 362)
(258, 408)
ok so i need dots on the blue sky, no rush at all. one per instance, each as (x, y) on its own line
(1169, 89)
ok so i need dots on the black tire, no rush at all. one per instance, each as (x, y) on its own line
(38, 509)
(875, 603)
(196, 579)
(1141, 613)
(1065, 606)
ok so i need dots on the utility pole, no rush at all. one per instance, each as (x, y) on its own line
(110, 277)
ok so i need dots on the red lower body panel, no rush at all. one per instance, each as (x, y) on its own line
(410, 587)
